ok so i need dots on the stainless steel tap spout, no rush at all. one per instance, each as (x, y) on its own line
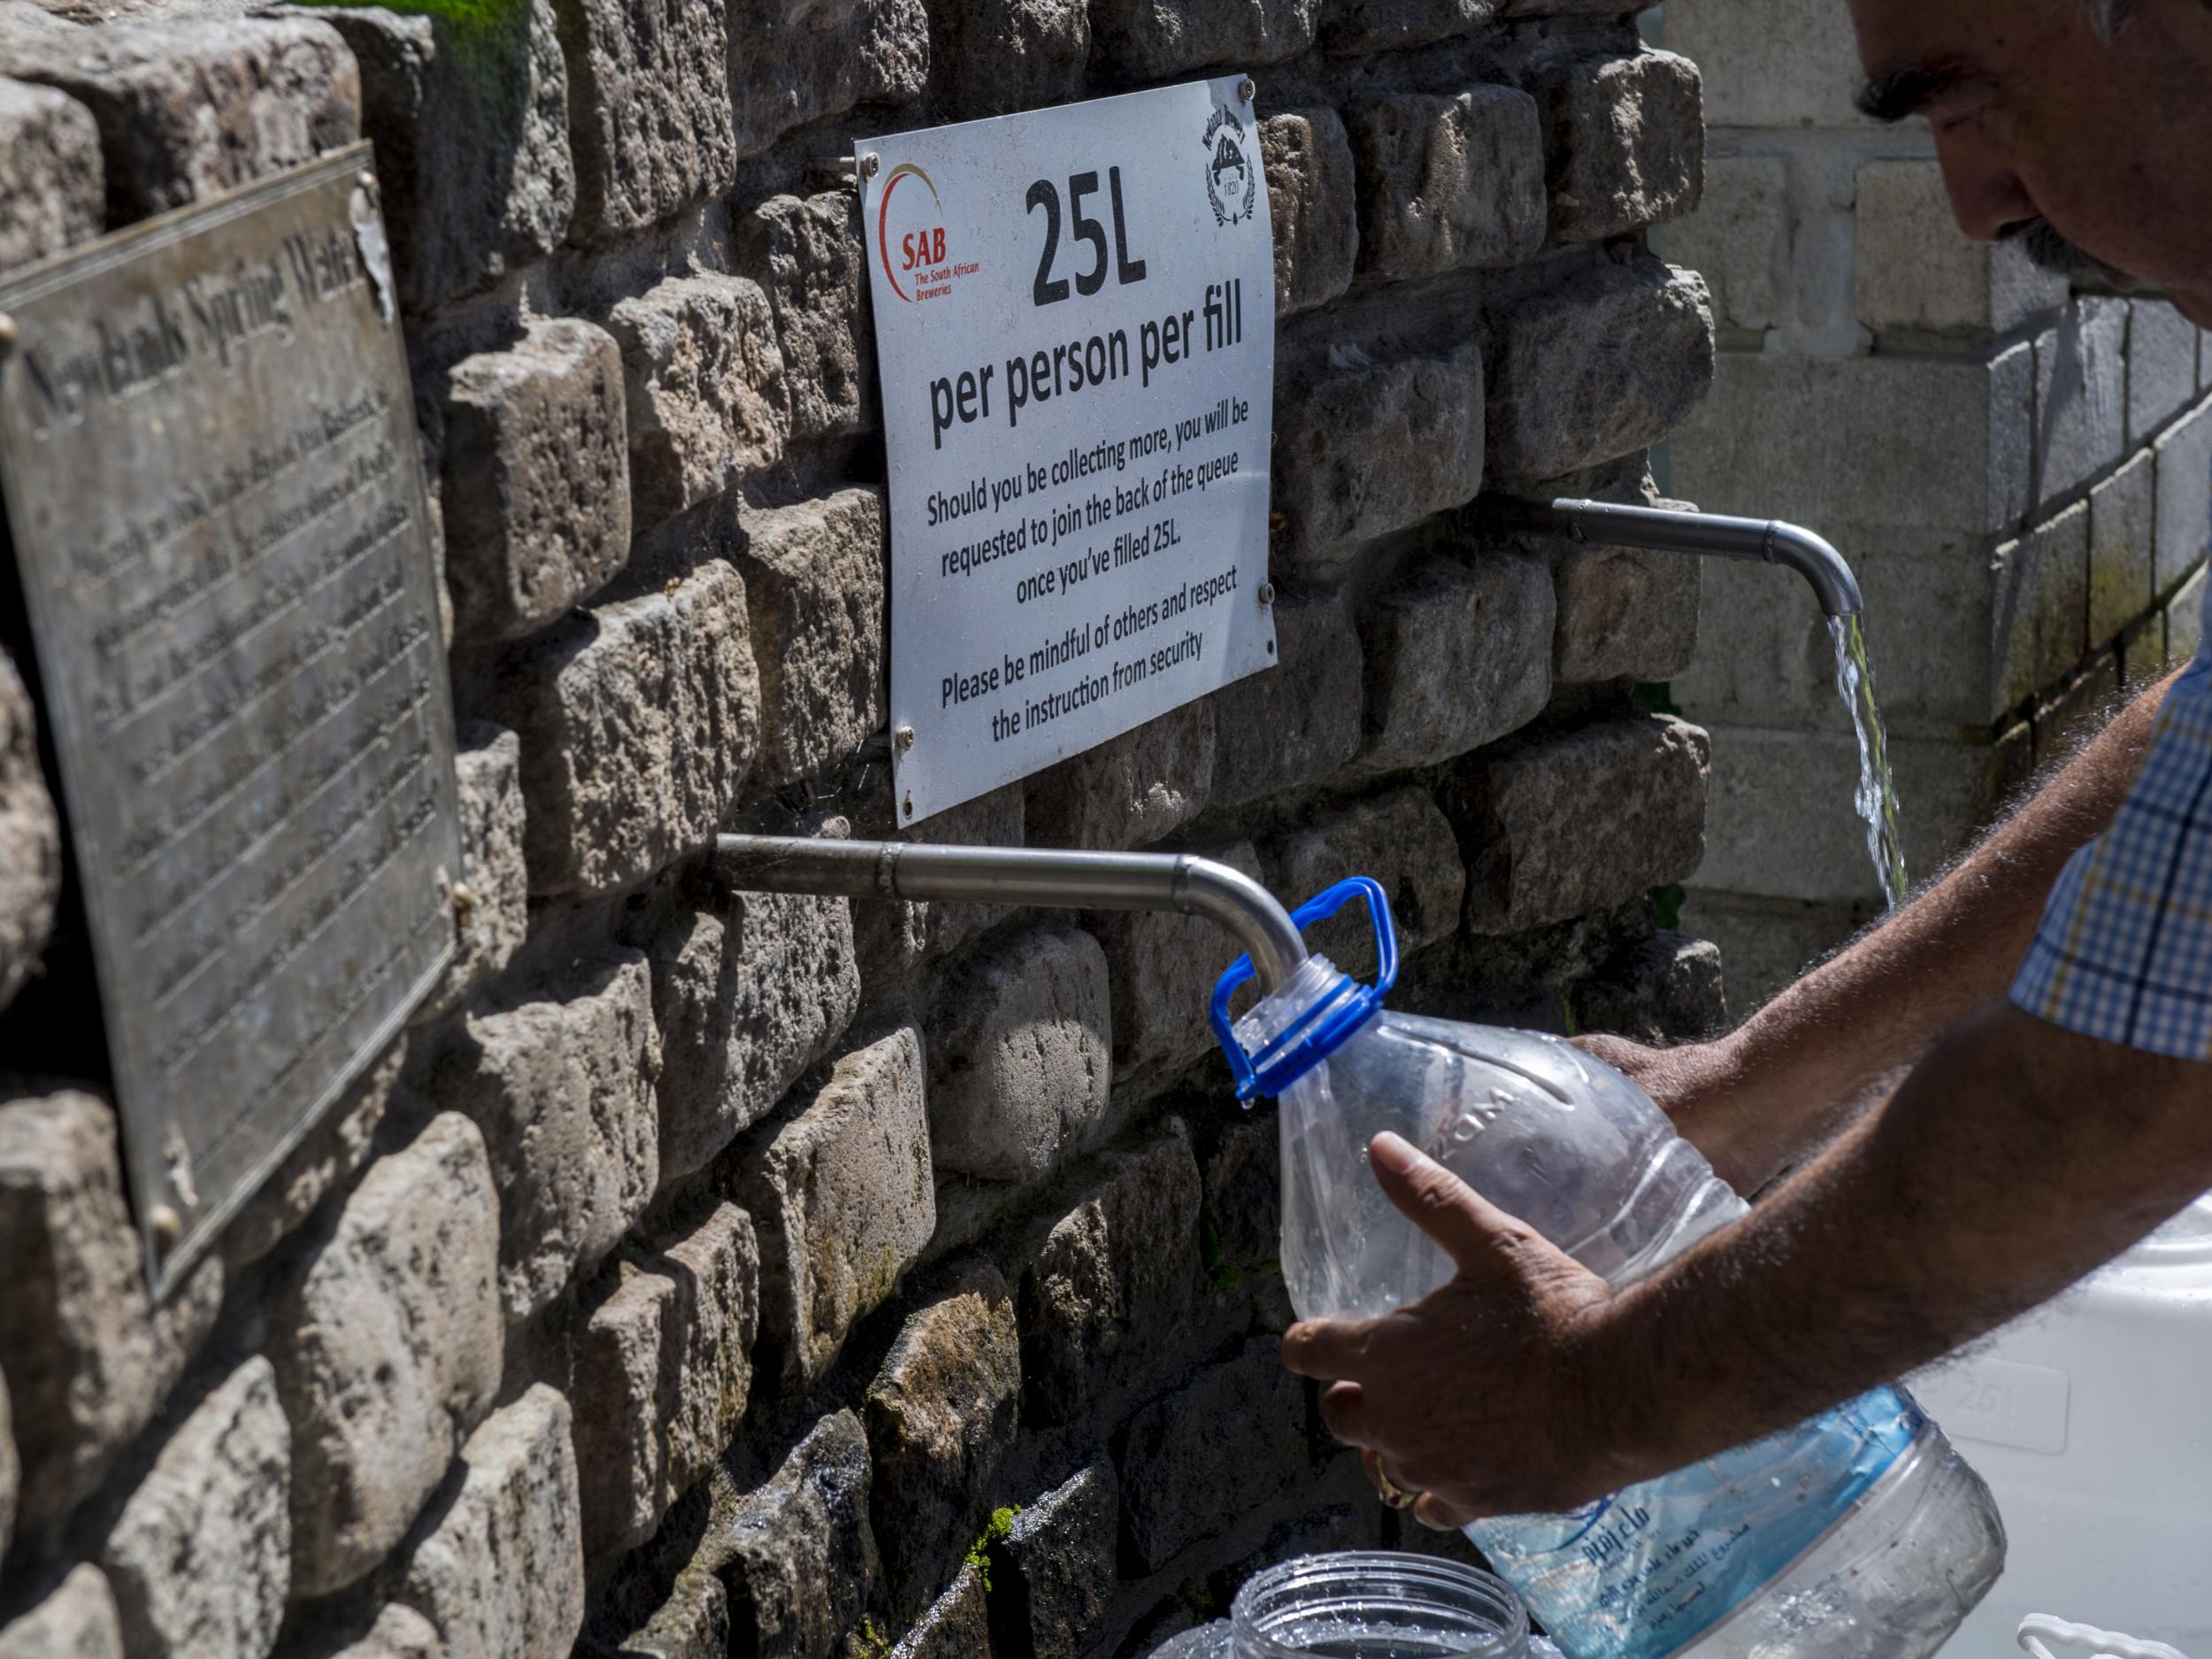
(1026, 875)
(1761, 540)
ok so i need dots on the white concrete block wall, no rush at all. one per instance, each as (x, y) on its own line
(2022, 477)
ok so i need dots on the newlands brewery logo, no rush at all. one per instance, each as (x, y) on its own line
(910, 237)
(1233, 183)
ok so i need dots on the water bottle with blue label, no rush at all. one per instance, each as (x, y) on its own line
(1860, 1534)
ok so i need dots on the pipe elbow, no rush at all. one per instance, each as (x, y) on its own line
(1232, 899)
(1815, 559)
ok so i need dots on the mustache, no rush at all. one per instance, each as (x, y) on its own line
(2050, 250)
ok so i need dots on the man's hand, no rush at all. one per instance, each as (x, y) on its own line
(1704, 1089)
(1478, 1397)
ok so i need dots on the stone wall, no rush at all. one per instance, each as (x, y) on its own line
(2020, 476)
(708, 1271)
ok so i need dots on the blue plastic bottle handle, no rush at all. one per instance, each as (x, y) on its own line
(1318, 1031)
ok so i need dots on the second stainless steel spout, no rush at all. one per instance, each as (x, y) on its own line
(1766, 540)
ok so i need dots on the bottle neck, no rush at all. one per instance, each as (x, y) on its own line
(1312, 1015)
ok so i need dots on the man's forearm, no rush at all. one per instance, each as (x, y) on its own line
(1858, 1018)
(2015, 1157)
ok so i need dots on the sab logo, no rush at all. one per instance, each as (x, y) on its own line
(913, 244)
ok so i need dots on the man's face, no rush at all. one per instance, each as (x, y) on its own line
(2047, 131)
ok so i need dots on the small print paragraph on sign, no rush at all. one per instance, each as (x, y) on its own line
(1075, 315)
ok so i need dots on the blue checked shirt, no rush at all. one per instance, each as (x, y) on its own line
(2124, 952)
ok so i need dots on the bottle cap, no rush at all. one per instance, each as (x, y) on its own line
(1327, 1023)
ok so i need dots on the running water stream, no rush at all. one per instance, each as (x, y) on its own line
(1878, 793)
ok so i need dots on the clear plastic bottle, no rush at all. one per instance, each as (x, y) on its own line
(1860, 1534)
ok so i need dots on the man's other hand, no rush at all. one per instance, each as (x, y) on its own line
(1479, 1396)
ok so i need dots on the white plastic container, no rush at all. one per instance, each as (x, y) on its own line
(2090, 1419)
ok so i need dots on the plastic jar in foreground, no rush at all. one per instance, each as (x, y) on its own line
(1376, 1605)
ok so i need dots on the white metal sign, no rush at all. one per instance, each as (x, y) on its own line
(1075, 314)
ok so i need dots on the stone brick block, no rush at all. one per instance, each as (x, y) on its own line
(2162, 367)
(1310, 199)
(1402, 839)
(1458, 652)
(2184, 496)
(1738, 240)
(1162, 969)
(956, 1625)
(1667, 989)
(1129, 790)
(1889, 442)
(52, 194)
(76, 1621)
(30, 839)
(398, 1632)
(843, 1195)
(1021, 1050)
(798, 1556)
(2122, 540)
(1057, 1565)
(2041, 605)
(1784, 64)
(76, 1338)
(1149, 40)
(493, 916)
(387, 1340)
(1628, 142)
(793, 65)
(649, 108)
(814, 594)
(188, 110)
(1198, 1461)
(1919, 273)
(638, 720)
(499, 1571)
(1448, 183)
(666, 1359)
(2080, 397)
(708, 397)
(1105, 1283)
(995, 56)
(562, 1082)
(1371, 448)
(1382, 26)
(1240, 1161)
(535, 485)
(1299, 722)
(694, 1622)
(941, 1417)
(198, 1558)
(470, 116)
(748, 990)
(1581, 820)
(1597, 367)
(1624, 613)
(1806, 843)
(2185, 621)
(811, 258)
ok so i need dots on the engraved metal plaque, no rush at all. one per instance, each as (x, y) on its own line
(208, 451)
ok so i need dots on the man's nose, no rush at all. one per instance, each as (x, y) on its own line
(1987, 197)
